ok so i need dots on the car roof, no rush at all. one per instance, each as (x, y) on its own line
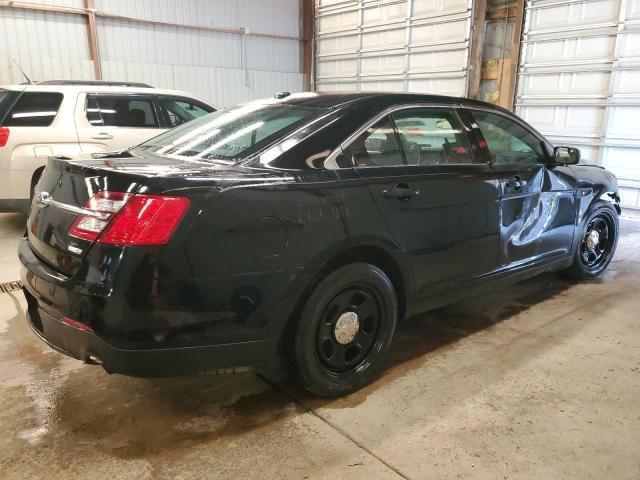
(380, 99)
(92, 88)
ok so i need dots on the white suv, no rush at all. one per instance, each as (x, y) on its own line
(74, 117)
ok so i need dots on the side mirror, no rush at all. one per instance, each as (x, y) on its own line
(566, 155)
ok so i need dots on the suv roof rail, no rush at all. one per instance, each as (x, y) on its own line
(95, 83)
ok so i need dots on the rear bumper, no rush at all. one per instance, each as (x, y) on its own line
(47, 296)
(90, 348)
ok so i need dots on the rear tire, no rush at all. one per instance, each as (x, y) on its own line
(597, 244)
(345, 329)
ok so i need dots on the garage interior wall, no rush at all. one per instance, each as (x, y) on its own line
(221, 67)
(579, 81)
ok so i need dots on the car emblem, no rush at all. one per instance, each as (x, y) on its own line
(43, 199)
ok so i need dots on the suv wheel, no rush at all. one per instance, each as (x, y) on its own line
(345, 330)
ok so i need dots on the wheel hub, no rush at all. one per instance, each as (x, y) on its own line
(346, 328)
(593, 240)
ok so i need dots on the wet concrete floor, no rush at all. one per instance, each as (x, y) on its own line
(539, 380)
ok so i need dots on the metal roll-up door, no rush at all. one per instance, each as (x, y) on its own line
(393, 45)
(579, 81)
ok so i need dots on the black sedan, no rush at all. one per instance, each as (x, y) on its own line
(302, 228)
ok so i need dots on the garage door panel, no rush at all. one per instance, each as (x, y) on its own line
(582, 83)
(444, 86)
(623, 162)
(439, 7)
(441, 32)
(627, 82)
(388, 64)
(633, 10)
(421, 62)
(575, 14)
(630, 45)
(332, 68)
(381, 86)
(383, 14)
(383, 39)
(623, 122)
(589, 48)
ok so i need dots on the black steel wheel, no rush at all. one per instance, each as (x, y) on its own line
(599, 238)
(345, 329)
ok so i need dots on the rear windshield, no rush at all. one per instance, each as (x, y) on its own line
(231, 134)
(34, 109)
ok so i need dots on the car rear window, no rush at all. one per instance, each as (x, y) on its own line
(34, 109)
(231, 134)
(133, 111)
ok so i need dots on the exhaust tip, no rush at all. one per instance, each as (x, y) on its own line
(93, 360)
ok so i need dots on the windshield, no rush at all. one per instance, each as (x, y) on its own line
(232, 134)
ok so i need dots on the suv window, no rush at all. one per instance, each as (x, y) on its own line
(34, 109)
(182, 110)
(509, 142)
(378, 146)
(432, 136)
(133, 111)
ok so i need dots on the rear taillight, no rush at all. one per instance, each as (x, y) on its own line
(106, 203)
(4, 136)
(130, 219)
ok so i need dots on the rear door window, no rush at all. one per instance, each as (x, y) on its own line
(34, 109)
(132, 111)
(179, 110)
(378, 146)
(432, 136)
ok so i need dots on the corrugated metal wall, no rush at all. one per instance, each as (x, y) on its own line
(222, 68)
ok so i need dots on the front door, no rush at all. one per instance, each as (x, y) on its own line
(438, 199)
(537, 198)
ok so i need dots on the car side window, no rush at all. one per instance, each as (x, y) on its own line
(507, 141)
(378, 146)
(432, 136)
(182, 110)
(131, 111)
(34, 109)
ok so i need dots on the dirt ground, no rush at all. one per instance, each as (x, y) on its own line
(540, 380)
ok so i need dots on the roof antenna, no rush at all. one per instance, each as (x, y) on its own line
(22, 71)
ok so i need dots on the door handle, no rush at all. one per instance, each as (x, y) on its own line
(102, 136)
(516, 183)
(400, 192)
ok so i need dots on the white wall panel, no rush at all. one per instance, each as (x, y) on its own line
(222, 68)
(393, 45)
(579, 81)
(45, 45)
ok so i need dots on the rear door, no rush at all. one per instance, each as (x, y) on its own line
(438, 198)
(537, 198)
(107, 121)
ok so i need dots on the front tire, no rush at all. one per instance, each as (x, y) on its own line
(598, 241)
(345, 330)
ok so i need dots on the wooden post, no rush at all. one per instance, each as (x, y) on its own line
(477, 45)
(515, 55)
(92, 38)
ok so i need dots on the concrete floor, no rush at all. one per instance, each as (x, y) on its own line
(540, 380)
